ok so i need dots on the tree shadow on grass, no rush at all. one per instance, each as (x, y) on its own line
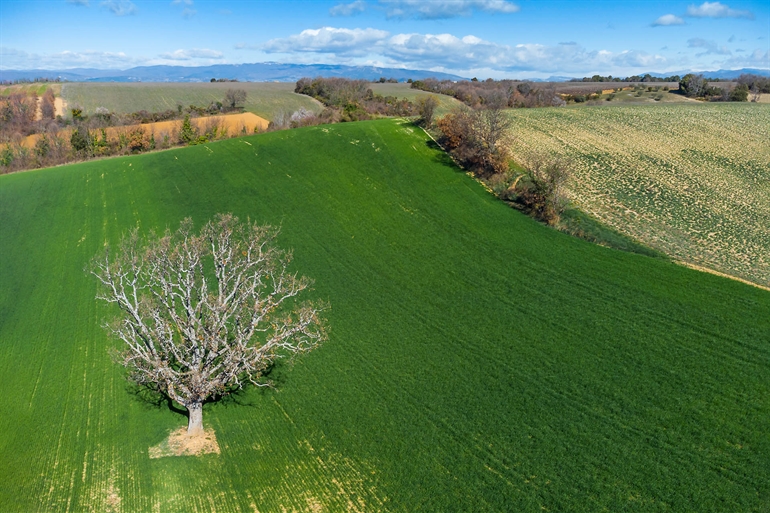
(152, 398)
(440, 156)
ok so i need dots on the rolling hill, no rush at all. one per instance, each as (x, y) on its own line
(477, 361)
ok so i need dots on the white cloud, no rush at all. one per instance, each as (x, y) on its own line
(444, 50)
(759, 58)
(716, 10)
(449, 52)
(667, 20)
(636, 59)
(340, 41)
(78, 2)
(247, 46)
(194, 53)
(120, 7)
(348, 9)
(13, 58)
(438, 9)
(709, 47)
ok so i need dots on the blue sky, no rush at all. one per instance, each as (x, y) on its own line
(483, 38)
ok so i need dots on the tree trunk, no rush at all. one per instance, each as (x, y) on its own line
(195, 424)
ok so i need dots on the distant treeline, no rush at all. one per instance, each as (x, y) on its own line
(509, 93)
(755, 83)
(634, 78)
(31, 81)
(749, 87)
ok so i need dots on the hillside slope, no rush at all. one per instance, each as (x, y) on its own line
(477, 360)
(692, 181)
(265, 99)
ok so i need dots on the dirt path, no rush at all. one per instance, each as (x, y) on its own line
(723, 275)
(61, 106)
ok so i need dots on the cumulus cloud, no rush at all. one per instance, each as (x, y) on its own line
(716, 10)
(120, 7)
(667, 20)
(350, 9)
(194, 53)
(449, 52)
(340, 41)
(438, 9)
(709, 47)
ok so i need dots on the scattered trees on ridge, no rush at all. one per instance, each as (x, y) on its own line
(475, 93)
(351, 100)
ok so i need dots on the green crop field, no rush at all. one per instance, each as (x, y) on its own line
(37, 88)
(266, 99)
(477, 360)
(692, 181)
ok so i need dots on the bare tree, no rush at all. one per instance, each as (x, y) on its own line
(479, 139)
(204, 314)
(427, 108)
(542, 189)
(235, 98)
(492, 131)
(756, 93)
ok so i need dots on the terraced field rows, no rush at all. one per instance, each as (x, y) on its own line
(263, 99)
(690, 180)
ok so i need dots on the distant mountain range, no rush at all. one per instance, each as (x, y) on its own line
(257, 72)
(277, 72)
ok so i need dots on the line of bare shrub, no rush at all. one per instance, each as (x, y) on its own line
(346, 100)
(81, 137)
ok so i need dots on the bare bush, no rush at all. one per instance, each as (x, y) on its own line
(541, 190)
(479, 139)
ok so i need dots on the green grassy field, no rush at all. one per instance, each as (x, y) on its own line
(692, 181)
(402, 90)
(37, 88)
(266, 99)
(477, 361)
